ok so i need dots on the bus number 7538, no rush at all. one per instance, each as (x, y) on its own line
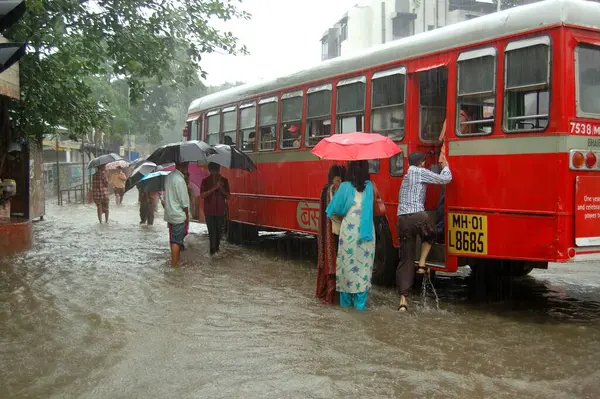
(586, 129)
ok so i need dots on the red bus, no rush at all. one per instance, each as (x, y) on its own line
(526, 187)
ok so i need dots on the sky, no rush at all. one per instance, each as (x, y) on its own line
(282, 36)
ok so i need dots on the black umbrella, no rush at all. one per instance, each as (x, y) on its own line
(137, 162)
(231, 157)
(138, 174)
(185, 151)
(103, 160)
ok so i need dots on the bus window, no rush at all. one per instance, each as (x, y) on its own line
(318, 114)
(291, 120)
(192, 129)
(230, 125)
(387, 113)
(433, 86)
(397, 165)
(267, 110)
(248, 126)
(476, 100)
(587, 64)
(200, 132)
(351, 105)
(373, 166)
(526, 84)
(214, 127)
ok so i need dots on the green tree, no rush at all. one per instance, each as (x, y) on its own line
(75, 44)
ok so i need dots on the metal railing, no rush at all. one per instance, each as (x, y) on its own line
(76, 194)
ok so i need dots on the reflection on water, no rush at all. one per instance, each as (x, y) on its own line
(95, 312)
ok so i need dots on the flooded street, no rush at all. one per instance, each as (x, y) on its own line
(94, 311)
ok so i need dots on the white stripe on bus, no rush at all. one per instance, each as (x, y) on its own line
(537, 143)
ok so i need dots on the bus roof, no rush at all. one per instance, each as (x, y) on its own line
(515, 20)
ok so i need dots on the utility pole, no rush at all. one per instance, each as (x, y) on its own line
(128, 128)
(499, 4)
(83, 198)
(57, 170)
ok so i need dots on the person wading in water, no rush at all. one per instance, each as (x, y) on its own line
(214, 190)
(177, 203)
(328, 239)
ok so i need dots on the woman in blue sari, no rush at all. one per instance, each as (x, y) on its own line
(354, 265)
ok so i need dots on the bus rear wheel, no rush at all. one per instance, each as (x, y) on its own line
(386, 255)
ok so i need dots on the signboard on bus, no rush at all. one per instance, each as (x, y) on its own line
(307, 215)
(587, 211)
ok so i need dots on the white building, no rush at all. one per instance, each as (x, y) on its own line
(373, 22)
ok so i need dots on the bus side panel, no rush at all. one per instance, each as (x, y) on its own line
(511, 183)
(518, 194)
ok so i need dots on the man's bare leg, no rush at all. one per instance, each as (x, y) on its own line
(175, 254)
(403, 304)
(425, 248)
(99, 210)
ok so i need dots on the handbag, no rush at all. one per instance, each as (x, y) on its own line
(336, 221)
(378, 204)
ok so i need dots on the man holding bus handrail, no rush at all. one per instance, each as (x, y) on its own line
(464, 129)
(413, 221)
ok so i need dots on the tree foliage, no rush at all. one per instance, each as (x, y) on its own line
(83, 55)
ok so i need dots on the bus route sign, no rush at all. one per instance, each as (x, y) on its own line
(584, 128)
(587, 211)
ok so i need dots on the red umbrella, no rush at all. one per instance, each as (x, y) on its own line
(355, 147)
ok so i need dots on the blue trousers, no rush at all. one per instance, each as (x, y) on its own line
(359, 300)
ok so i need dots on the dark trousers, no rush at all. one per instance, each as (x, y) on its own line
(215, 228)
(409, 228)
(146, 211)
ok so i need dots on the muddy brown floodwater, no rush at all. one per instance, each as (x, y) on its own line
(95, 312)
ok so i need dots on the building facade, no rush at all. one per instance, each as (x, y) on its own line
(374, 22)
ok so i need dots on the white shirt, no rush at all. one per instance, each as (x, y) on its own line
(176, 197)
(414, 186)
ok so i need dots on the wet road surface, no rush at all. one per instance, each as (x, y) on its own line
(96, 312)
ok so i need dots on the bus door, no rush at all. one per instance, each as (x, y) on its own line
(433, 93)
(429, 86)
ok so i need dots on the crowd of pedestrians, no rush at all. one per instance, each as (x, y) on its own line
(350, 202)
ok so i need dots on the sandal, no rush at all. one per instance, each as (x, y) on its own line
(422, 270)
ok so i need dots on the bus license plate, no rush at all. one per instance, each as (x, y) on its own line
(467, 234)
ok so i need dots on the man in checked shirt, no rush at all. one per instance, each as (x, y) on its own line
(413, 221)
(100, 192)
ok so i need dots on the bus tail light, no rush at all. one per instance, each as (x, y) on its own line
(590, 160)
(577, 159)
(584, 160)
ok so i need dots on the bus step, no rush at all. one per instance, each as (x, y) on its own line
(433, 264)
